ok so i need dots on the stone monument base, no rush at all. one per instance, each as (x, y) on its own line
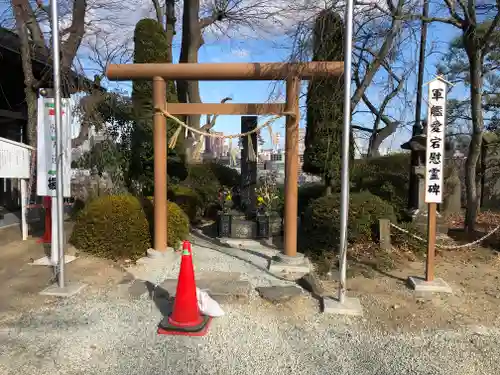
(434, 286)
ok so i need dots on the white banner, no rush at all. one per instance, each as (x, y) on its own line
(46, 147)
(436, 123)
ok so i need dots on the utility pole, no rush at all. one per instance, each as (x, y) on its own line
(418, 108)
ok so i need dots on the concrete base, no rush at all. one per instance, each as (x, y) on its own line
(351, 306)
(69, 290)
(434, 286)
(299, 265)
(155, 254)
(45, 261)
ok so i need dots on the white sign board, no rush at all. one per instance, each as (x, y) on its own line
(46, 147)
(14, 159)
(436, 122)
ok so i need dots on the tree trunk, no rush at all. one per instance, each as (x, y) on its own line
(170, 25)
(188, 91)
(472, 179)
(31, 95)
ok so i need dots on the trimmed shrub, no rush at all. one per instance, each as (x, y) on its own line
(188, 200)
(321, 224)
(178, 225)
(113, 226)
(177, 222)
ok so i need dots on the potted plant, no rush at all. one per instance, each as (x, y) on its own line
(224, 216)
(267, 200)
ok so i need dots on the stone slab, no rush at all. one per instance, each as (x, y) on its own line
(312, 284)
(223, 291)
(278, 294)
(226, 276)
(434, 286)
(45, 261)
(279, 267)
(137, 289)
(350, 307)
(220, 290)
(70, 289)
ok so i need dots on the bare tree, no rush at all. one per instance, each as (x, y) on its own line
(477, 22)
(381, 35)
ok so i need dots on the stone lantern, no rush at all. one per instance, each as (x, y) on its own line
(417, 208)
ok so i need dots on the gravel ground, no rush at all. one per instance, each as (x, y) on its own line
(101, 331)
(100, 335)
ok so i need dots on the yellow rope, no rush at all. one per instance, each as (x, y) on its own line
(207, 134)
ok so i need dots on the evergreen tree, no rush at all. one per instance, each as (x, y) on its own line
(150, 46)
(325, 100)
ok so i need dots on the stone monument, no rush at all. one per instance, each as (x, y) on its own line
(248, 167)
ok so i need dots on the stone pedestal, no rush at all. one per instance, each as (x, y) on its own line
(248, 168)
(292, 268)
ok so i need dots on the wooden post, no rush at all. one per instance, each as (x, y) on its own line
(384, 226)
(431, 242)
(291, 165)
(160, 165)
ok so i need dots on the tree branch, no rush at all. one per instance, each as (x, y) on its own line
(77, 30)
(496, 21)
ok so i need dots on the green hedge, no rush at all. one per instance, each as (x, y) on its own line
(321, 222)
(121, 227)
(387, 177)
(113, 226)
(188, 199)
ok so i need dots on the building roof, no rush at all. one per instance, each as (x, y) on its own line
(10, 52)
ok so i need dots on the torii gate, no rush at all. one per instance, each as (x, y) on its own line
(291, 72)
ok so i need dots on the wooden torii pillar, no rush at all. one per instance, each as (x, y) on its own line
(293, 73)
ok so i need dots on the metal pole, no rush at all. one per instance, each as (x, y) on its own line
(59, 141)
(344, 201)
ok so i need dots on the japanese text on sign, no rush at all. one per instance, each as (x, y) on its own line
(436, 121)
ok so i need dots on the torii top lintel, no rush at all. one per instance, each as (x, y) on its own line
(225, 71)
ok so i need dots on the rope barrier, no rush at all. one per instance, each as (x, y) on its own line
(251, 153)
(448, 247)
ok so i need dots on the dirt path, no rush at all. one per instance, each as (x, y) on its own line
(21, 282)
(473, 275)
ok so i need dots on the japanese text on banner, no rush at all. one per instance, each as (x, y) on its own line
(436, 119)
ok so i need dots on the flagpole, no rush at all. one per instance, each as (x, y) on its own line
(346, 132)
(59, 140)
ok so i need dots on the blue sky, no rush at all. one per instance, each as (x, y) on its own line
(259, 91)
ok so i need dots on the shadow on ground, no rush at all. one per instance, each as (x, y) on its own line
(162, 299)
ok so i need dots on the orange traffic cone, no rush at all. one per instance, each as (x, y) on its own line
(186, 318)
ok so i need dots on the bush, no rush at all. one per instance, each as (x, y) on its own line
(204, 182)
(307, 193)
(188, 200)
(113, 226)
(178, 225)
(177, 222)
(321, 225)
(226, 175)
(387, 177)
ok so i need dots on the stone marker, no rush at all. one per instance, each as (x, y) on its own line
(276, 294)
